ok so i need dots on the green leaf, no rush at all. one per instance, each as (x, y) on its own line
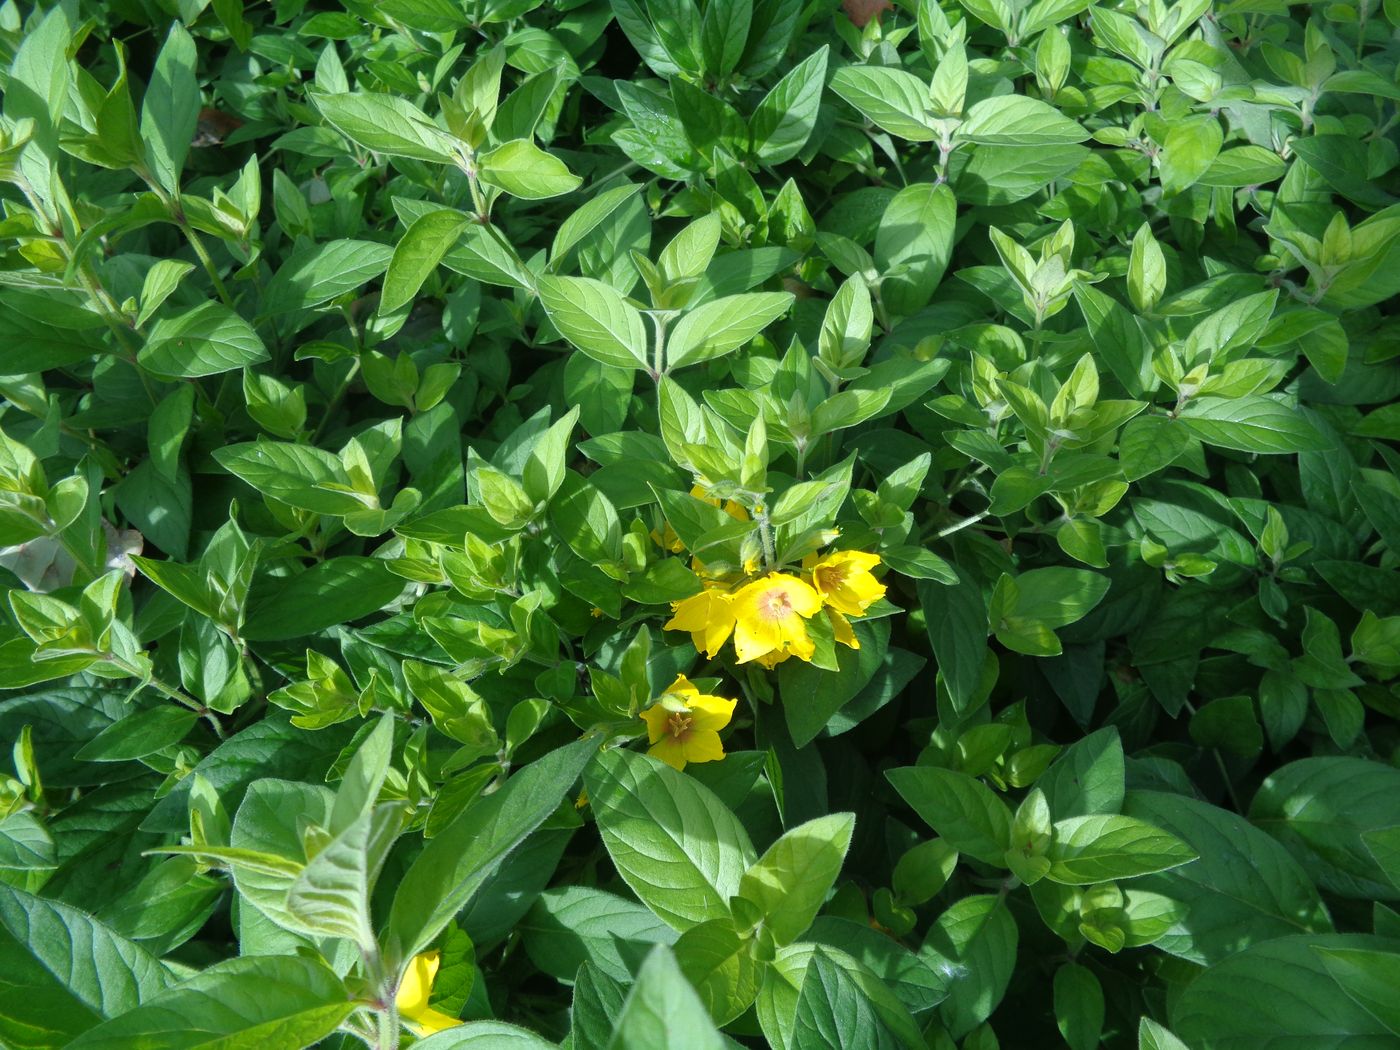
(1275, 993)
(963, 811)
(139, 735)
(1152, 1036)
(485, 1035)
(812, 694)
(975, 941)
(790, 881)
(720, 965)
(663, 1010)
(1243, 889)
(912, 978)
(1118, 341)
(463, 855)
(784, 120)
(996, 175)
(318, 273)
(589, 217)
(251, 1002)
(1253, 423)
(586, 521)
(778, 1000)
(417, 255)
(1079, 1006)
(1244, 166)
(385, 124)
(1026, 609)
(524, 170)
(1188, 151)
(330, 895)
(25, 844)
(1088, 776)
(334, 591)
(891, 98)
(170, 109)
(271, 747)
(1103, 846)
(569, 926)
(724, 29)
(596, 320)
(295, 474)
(1339, 160)
(915, 233)
(1369, 978)
(682, 852)
(66, 971)
(1321, 809)
(956, 619)
(1018, 120)
(204, 341)
(723, 325)
(833, 1010)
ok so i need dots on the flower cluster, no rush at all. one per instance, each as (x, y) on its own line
(768, 615)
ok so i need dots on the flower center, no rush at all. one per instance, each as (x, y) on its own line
(678, 725)
(831, 578)
(776, 605)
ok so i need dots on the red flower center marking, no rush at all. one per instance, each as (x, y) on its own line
(776, 604)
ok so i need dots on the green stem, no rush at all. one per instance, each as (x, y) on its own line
(658, 352)
(389, 1028)
(1220, 764)
(336, 399)
(102, 302)
(178, 695)
(196, 242)
(765, 536)
(207, 261)
(965, 523)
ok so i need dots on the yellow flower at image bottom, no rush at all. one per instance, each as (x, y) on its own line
(414, 992)
(770, 617)
(683, 726)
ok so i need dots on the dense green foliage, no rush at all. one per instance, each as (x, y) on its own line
(1002, 395)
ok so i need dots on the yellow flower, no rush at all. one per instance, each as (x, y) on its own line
(667, 539)
(770, 617)
(683, 726)
(708, 617)
(843, 580)
(841, 629)
(414, 990)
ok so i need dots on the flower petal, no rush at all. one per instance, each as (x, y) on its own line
(655, 717)
(417, 983)
(755, 638)
(710, 713)
(703, 746)
(841, 629)
(669, 750)
(429, 1021)
(690, 614)
(682, 686)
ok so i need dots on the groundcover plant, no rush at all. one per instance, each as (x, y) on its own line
(647, 525)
